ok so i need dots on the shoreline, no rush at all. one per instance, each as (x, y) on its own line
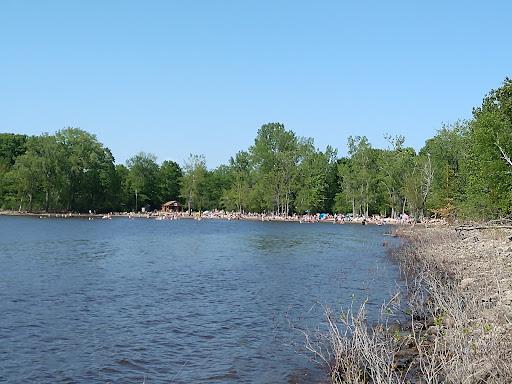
(160, 215)
(452, 322)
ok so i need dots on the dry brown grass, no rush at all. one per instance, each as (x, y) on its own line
(459, 309)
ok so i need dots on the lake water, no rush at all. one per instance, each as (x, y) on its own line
(127, 301)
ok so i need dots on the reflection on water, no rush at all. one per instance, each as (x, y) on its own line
(122, 300)
(270, 243)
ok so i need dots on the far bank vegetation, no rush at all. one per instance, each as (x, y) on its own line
(464, 171)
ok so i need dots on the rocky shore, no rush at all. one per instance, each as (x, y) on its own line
(451, 323)
(462, 297)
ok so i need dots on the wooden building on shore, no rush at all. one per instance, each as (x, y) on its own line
(171, 206)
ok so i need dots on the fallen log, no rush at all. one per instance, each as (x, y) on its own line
(471, 228)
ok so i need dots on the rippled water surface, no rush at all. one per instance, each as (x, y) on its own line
(123, 301)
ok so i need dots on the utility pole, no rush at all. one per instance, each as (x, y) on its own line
(135, 200)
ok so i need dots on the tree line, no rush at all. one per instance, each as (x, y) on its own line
(465, 171)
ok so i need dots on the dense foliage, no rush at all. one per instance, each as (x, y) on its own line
(465, 170)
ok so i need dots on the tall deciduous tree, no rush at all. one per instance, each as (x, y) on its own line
(312, 181)
(170, 175)
(447, 150)
(394, 164)
(143, 179)
(193, 182)
(89, 170)
(214, 187)
(363, 173)
(489, 148)
(26, 177)
(275, 155)
(237, 197)
(52, 167)
(11, 147)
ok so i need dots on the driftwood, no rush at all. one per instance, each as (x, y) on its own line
(463, 228)
(473, 227)
(502, 223)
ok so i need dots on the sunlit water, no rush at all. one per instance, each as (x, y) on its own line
(127, 301)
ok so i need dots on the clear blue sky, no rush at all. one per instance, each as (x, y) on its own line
(175, 77)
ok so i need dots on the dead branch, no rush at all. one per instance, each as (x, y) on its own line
(478, 227)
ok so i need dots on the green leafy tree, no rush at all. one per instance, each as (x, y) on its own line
(345, 197)
(275, 155)
(418, 185)
(121, 189)
(89, 170)
(26, 178)
(312, 182)
(359, 176)
(143, 180)
(214, 187)
(332, 180)
(237, 196)
(11, 147)
(52, 167)
(170, 175)
(193, 182)
(489, 148)
(395, 163)
(447, 150)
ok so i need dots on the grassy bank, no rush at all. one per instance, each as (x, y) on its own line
(451, 324)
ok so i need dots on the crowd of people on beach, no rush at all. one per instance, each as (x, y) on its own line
(306, 218)
(403, 218)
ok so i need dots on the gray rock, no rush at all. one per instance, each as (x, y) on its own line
(506, 298)
(448, 322)
(465, 283)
